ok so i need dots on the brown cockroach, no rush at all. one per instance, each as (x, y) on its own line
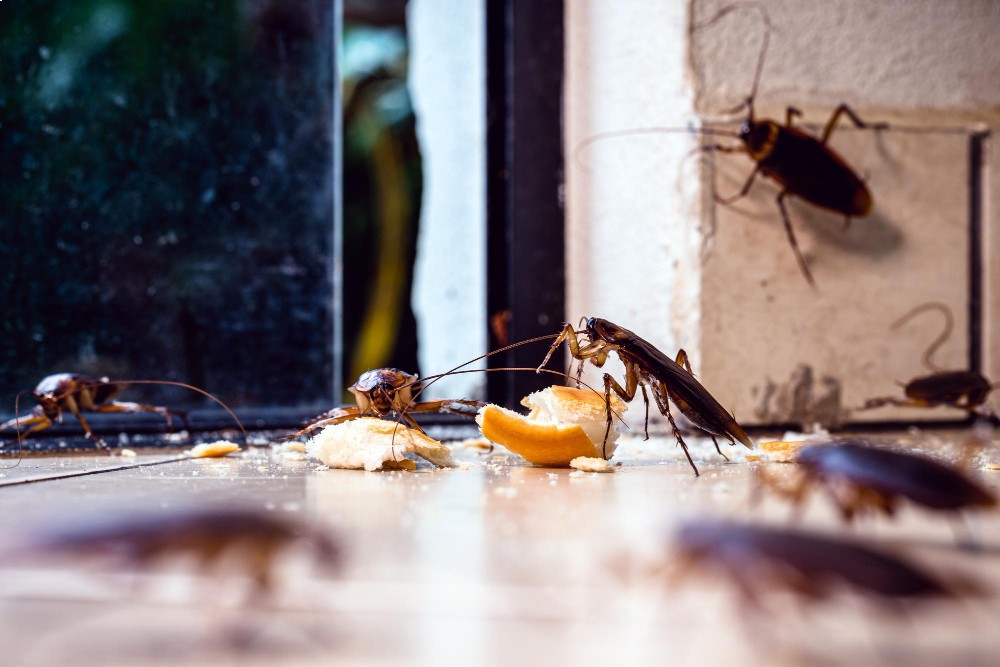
(963, 389)
(802, 165)
(645, 366)
(384, 392)
(78, 394)
(859, 477)
(213, 537)
(758, 560)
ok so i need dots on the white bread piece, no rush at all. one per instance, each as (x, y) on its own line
(367, 443)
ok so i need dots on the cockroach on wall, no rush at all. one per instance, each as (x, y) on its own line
(802, 165)
(646, 366)
(859, 477)
(78, 394)
(759, 560)
(963, 389)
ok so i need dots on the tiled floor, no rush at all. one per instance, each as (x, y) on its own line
(496, 562)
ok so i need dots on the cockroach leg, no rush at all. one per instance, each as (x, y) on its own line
(568, 334)
(626, 393)
(664, 405)
(726, 201)
(791, 113)
(844, 109)
(682, 361)
(645, 400)
(718, 449)
(129, 407)
(70, 403)
(791, 239)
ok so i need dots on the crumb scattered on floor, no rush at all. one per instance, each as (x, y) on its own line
(212, 449)
(591, 464)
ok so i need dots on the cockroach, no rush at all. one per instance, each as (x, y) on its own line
(79, 393)
(384, 392)
(758, 560)
(802, 165)
(963, 389)
(213, 537)
(646, 366)
(859, 477)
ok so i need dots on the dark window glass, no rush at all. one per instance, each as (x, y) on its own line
(166, 199)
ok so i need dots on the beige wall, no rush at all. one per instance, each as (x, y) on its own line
(648, 248)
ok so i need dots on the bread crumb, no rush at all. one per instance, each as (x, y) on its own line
(291, 451)
(127, 454)
(375, 444)
(212, 449)
(782, 451)
(476, 444)
(589, 464)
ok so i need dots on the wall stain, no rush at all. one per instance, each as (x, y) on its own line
(801, 400)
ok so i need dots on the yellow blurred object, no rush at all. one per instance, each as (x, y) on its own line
(782, 451)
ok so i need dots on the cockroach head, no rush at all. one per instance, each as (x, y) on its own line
(601, 329)
(759, 137)
(49, 403)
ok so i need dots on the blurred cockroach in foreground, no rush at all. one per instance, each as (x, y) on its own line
(668, 379)
(963, 389)
(241, 541)
(758, 561)
(859, 478)
(78, 394)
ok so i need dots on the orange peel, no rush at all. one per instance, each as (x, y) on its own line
(565, 423)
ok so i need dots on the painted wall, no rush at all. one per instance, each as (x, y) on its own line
(448, 84)
(633, 238)
(650, 249)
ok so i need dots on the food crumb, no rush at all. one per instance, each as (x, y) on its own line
(128, 454)
(992, 466)
(212, 449)
(291, 451)
(591, 464)
(782, 451)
